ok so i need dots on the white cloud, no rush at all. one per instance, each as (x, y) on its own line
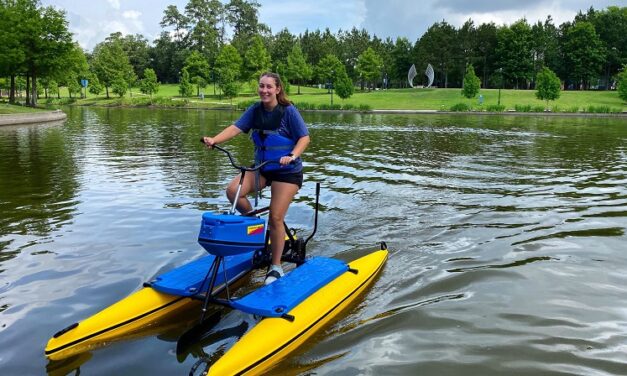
(115, 4)
(131, 14)
(407, 18)
(92, 21)
(298, 16)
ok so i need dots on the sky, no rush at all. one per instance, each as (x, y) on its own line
(92, 21)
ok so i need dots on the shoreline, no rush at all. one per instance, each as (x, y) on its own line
(504, 113)
(58, 115)
(393, 111)
(32, 117)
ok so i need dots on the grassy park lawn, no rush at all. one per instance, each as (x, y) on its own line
(443, 99)
(8, 109)
(393, 99)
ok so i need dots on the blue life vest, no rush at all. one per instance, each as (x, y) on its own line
(269, 144)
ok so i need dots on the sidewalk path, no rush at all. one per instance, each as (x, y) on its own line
(32, 117)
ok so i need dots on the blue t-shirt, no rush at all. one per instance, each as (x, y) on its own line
(292, 124)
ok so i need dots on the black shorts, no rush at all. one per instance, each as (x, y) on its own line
(292, 177)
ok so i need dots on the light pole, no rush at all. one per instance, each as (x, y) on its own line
(331, 87)
(501, 74)
(213, 78)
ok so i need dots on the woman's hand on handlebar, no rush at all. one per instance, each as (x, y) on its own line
(284, 161)
(208, 141)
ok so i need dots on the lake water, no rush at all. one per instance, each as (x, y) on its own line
(507, 238)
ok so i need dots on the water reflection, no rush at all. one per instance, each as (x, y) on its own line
(506, 236)
(38, 182)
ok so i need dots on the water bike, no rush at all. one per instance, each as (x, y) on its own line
(291, 309)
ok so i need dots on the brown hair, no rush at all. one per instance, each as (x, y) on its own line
(281, 97)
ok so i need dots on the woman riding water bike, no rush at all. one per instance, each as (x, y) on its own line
(279, 133)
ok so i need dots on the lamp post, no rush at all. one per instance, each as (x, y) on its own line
(213, 78)
(331, 87)
(501, 74)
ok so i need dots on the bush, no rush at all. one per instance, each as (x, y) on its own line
(598, 109)
(572, 109)
(348, 106)
(622, 84)
(472, 83)
(139, 101)
(245, 104)
(364, 107)
(495, 107)
(460, 107)
(180, 103)
(538, 108)
(522, 108)
(548, 85)
(162, 101)
(305, 106)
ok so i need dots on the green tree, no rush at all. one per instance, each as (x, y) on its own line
(622, 84)
(281, 46)
(313, 47)
(48, 48)
(35, 41)
(352, 44)
(119, 85)
(327, 69)
(168, 58)
(149, 84)
(402, 61)
(611, 26)
(467, 45)
(73, 86)
(281, 70)
(514, 52)
(12, 53)
(472, 83)
(545, 45)
(198, 69)
(243, 16)
(297, 66)
(343, 85)
(583, 53)
(256, 59)
(95, 87)
(76, 68)
(185, 87)
(369, 66)
(137, 49)
(228, 67)
(173, 18)
(48, 85)
(438, 47)
(548, 85)
(110, 62)
(205, 33)
(486, 46)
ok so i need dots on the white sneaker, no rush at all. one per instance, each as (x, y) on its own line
(274, 273)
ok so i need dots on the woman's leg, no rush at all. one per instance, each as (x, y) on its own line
(282, 195)
(248, 185)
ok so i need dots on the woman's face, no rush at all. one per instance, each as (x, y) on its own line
(268, 91)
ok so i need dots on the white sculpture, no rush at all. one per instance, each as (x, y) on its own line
(411, 74)
(430, 74)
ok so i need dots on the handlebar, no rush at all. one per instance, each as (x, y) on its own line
(232, 160)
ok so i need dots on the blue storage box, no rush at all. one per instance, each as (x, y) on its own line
(227, 234)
